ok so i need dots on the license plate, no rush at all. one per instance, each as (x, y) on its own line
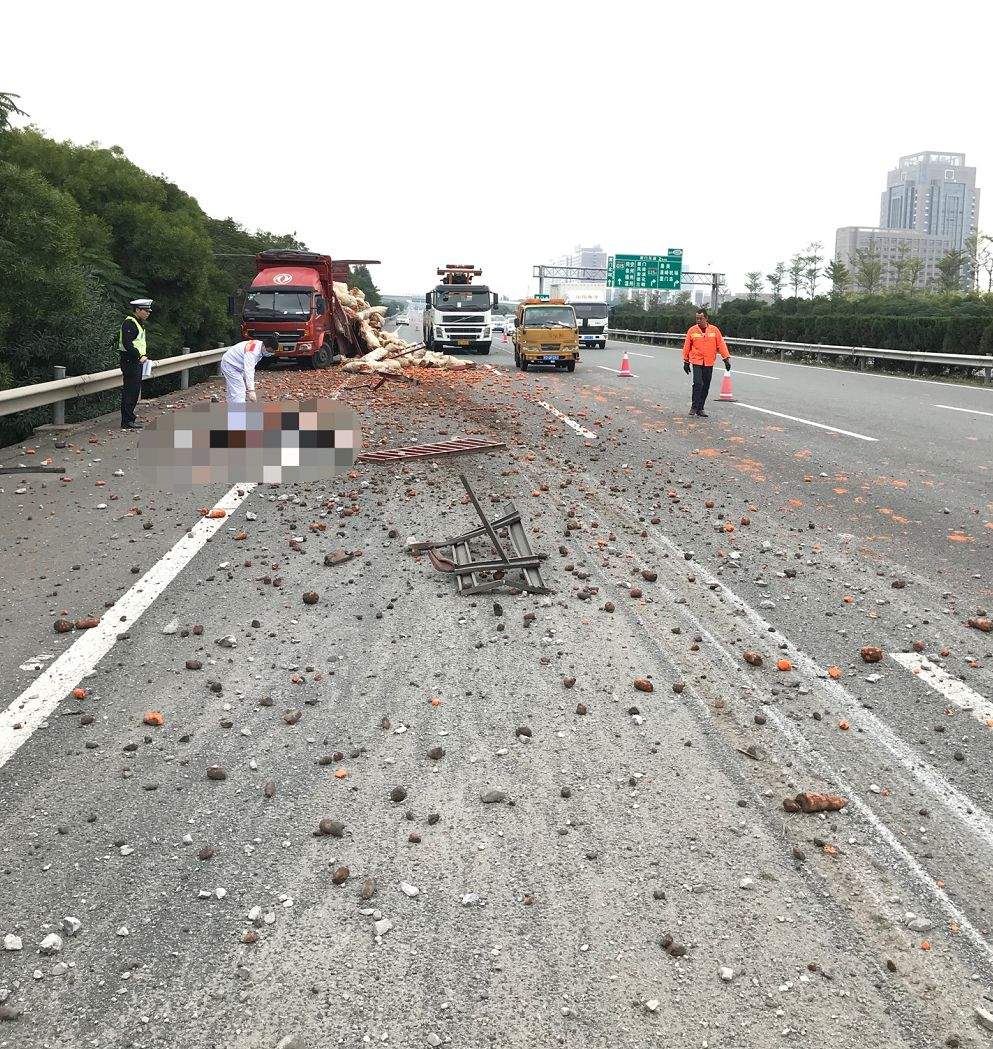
(463, 342)
(551, 357)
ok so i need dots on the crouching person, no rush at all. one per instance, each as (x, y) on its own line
(239, 363)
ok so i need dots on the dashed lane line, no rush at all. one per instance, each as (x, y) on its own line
(569, 422)
(806, 422)
(955, 691)
(32, 707)
(971, 411)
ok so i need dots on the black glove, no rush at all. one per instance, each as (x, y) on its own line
(686, 367)
(727, 364)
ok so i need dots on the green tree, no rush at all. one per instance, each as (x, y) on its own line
(797, 268)
(868, 269)
(777, 279)
(361, 278)
(950, 268)
(812, 266)
(8, 109)
(840, 277)
(753, 283)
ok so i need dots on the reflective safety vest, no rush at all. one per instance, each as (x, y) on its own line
(139, 339)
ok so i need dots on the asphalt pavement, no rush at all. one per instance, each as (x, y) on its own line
(548, 820)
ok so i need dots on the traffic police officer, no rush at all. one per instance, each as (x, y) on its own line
(703, 342)
(131, 343)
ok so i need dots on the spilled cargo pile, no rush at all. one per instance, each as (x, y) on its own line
(387, 352)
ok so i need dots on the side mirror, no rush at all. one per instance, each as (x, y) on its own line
(496, 299)
(320, 305)
(232, 306)
(427, 299)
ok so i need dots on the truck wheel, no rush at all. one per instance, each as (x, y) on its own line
(571, 366)
(428, 339)
(322, 358)
(481, 350)
(524, 364)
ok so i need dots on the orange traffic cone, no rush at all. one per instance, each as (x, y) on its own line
(504, 339)
(625, 366)
(726, 394)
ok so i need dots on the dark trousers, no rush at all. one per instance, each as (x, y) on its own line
(131, 389)
(701, 385)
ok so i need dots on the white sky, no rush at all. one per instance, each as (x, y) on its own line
(506, 133)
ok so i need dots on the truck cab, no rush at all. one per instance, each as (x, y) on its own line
(591, 318)
(545, 333)
(293, 298)
(457, 313)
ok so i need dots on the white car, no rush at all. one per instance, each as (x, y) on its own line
(401, 321)
(499, 324)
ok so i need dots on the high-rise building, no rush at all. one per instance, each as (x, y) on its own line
(590, 258)
(892, 246)
(930, 207)
(932, 193)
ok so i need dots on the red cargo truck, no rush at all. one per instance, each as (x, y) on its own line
(292, 297)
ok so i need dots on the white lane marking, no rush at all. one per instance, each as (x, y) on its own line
(952, 408)
(38, 700)
(806, 422)
(958, 803)
(614, 371)
(569, 422)
(758, 375)
(955, 691)
(647, 356)
(943, 791)
(821, 367)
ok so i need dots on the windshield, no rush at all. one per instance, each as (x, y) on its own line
(586, 310)
(460, 297)
(549, 317)
(266, 305)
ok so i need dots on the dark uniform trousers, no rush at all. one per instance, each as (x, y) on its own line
(701, 385)
(131, 388)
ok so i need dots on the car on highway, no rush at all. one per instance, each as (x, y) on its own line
(401, 321)
(499, 325)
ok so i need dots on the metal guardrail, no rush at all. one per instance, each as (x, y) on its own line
(861, 354)
(63, 388)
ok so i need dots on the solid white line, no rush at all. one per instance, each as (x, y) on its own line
(613, 371)
(33, 706)
(569, 422)
(807, 422)
(952, 408)
(647, 356)
(955, 691)
(757, 375)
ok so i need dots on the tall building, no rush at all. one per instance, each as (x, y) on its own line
(590, 258)
(892, 245)
(930, 206)
(934, 194)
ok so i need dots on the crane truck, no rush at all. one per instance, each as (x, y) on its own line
(293, 298)
(458, 313)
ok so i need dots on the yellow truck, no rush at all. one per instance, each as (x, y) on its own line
(546, 333)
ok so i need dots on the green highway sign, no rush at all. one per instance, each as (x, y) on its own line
(662, 272)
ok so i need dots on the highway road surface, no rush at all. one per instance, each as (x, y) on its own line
(403, 817)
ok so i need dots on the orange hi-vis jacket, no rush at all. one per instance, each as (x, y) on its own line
(702, 347)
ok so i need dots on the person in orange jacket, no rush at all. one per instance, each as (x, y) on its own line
(703, 342)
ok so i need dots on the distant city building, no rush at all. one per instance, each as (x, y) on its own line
(891, 245)
(590, 258)
(930, 206)
(932, 193)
